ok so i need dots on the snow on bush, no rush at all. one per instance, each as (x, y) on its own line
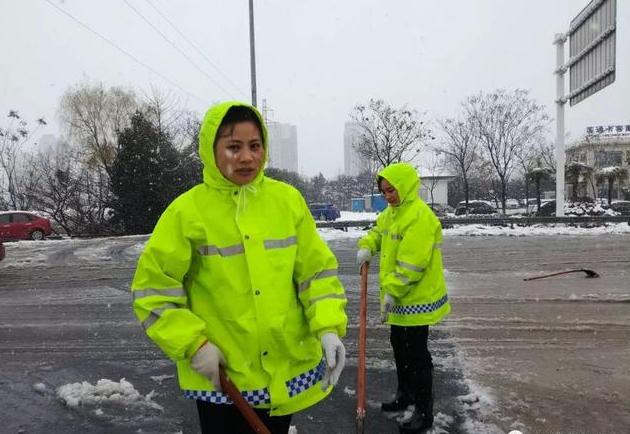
(103, 392)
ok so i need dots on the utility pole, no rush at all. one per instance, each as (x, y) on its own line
(252, 52)
(561, 100)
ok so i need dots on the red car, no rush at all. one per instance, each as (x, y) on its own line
(23, 225)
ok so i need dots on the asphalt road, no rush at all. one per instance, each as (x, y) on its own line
(536, 356)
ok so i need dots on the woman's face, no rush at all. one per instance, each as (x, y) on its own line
(239, 153)
(390, 193)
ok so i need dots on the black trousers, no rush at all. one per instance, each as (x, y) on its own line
(413, 362)
(226, 419)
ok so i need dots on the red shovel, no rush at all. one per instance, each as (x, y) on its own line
(241, 404)
(360, 421)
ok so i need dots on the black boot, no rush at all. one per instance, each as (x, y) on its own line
(421, 420)
(400, 402)
(422, 417)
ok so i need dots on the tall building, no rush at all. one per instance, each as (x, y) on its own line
(353, 163)
(283, 152)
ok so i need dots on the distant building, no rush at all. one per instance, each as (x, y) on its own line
(434, 189)
(283, 151)
(353, 163)
(603, 146)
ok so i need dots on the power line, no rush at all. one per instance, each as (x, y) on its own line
(125, 52)
(146, 20)
(216, 68)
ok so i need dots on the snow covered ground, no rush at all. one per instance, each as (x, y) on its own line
(549, 355)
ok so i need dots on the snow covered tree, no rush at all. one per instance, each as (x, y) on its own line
(389, 135)
(611, 174)
(144, 176)
(292, 178)
(537, 175)
(573, 172)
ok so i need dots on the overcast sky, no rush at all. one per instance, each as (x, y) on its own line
(315, 59)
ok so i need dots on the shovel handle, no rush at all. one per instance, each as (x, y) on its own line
(362, 344)
(241, 404)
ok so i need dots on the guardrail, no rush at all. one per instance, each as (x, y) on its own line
(493, 221)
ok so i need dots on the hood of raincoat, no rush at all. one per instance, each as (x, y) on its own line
(404, 178)
(212, 176)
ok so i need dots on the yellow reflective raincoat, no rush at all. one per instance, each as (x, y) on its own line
(409, 237)
(243, 267)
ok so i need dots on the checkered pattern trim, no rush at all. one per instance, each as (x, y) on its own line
(419, 308)
(306, 380)
(255, 397)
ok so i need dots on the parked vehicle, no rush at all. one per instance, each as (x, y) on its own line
(532, 205)
(621, 206)
(2, 251)
(512, 203)
(23, 225)
(324, 211)
(441, 209)
(475, 207)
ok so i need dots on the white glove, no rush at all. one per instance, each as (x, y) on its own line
(363, 256)
(335, 354)
(386, 307)
(206, 361)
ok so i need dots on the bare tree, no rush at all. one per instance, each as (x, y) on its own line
(433, 168)
(460, 147)
(389, 135)
(505, 122)
(546, 152)
(59, 190)
(93, 116)
(12, 139)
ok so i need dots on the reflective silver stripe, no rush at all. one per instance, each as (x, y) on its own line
(409, 266)
(397, 237)
(322, 297)
(437, 245)
(168, 292)
(322, 274)
(402, 277)
(277, 244)
(222, 251)
(156, 313)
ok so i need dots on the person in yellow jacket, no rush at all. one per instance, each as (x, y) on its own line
(235, 274)
(412, 287)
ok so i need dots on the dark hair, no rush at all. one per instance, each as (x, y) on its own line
(237, 114)
(378, 183)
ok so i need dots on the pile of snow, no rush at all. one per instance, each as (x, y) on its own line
(105, 392)
(540, 229)
(357, 216)
(586, 209)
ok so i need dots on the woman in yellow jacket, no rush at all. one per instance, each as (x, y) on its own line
(413, 290)
(235, 274)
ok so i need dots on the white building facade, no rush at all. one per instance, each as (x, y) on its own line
(283, 150)
(353, 163)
